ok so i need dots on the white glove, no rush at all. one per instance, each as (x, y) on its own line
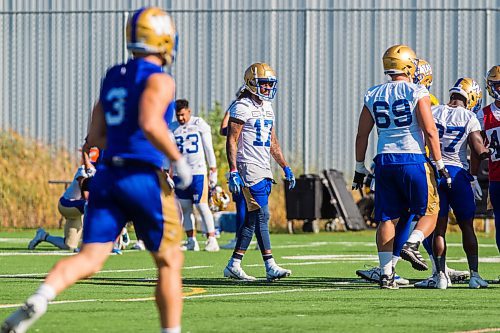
(212, 179)
(90, 172)
(476, 188)
(183, 173)
(170, 181)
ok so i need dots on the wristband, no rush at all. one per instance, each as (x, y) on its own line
(360, 167)
(440, 164)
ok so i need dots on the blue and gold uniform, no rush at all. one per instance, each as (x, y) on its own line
(129, 185)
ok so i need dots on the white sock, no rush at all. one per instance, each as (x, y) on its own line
(269, 263)
(385, 259)
(395, 260)
(171, 330)
(46, 291)
(206, 217)
(434, 270)
(233, 262)
(416, 236)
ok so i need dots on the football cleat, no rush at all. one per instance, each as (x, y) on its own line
(275, 272)
(116, 251)
(211, 245)
(477, 282)
(443, 281)
(25, 316)
(191, 245)
(40, 236)
(388, 282)
(410, 253)
(230, 245)
(237, 273)
(457, 276)
(139, 245)
(429, 283)
(373, 275)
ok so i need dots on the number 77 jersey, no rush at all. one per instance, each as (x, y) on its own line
(454, 125)
(254, 143)
(393, 108)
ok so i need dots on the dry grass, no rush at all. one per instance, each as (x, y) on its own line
(26, 198)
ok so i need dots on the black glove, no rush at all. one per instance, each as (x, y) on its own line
(358, 180)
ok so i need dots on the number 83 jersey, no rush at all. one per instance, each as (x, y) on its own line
(254, 142)
(393, 108)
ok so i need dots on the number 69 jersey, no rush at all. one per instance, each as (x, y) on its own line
(454, 125)
(393, 106)
(194, 140)
(254, 144)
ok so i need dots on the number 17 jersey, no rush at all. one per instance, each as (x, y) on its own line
(393, 108)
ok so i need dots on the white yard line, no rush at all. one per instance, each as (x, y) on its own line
(482, 330)
(143, 299)
(104, 271)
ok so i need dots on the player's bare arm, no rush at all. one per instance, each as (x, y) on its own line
(365, 127)
(428, 126)
(234, 130)
(477, 146)
(275, 149)
(223, 124)
(157, 95)
(97, 130)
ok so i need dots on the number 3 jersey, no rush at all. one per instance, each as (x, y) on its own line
(194, 140)
(121, 91)
(254, 144)
(393, 108)
(454, 125)
(489, 118)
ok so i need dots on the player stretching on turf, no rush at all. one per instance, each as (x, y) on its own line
(129, 119)
(401, 111)
(251, 141)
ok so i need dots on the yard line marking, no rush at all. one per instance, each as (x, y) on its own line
(286, 246)
(483, 330)
(188, 296)
(104, 271)
(352, 257)
(296, 263)
(45, 253)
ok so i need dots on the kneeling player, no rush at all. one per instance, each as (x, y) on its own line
(71, 206)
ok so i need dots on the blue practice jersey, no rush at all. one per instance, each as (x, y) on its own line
(120, 94)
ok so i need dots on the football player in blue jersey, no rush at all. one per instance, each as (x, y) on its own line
(129, 120)
(405, 182)
(251, 141)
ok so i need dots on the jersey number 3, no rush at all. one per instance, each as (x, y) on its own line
(116, 97)
(400, 109)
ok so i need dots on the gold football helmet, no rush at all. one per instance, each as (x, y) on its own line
(469, 89)
(400, 59)
(493, 82)
(423, 74)
(260, 80)
(151, 30)
(218, 199)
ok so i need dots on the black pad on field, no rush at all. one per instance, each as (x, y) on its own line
(343, 203)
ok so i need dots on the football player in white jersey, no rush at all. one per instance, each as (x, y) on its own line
(489, 118)
(401, 111)
(194, 140)
(71, 206)
(251, 141)
(458, 127)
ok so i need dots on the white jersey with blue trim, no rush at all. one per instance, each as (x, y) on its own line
(393, 107)
(194, 140)
(254, 144)
(73, 192)
(454, 125)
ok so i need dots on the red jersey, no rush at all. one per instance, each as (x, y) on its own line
(492, 130)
